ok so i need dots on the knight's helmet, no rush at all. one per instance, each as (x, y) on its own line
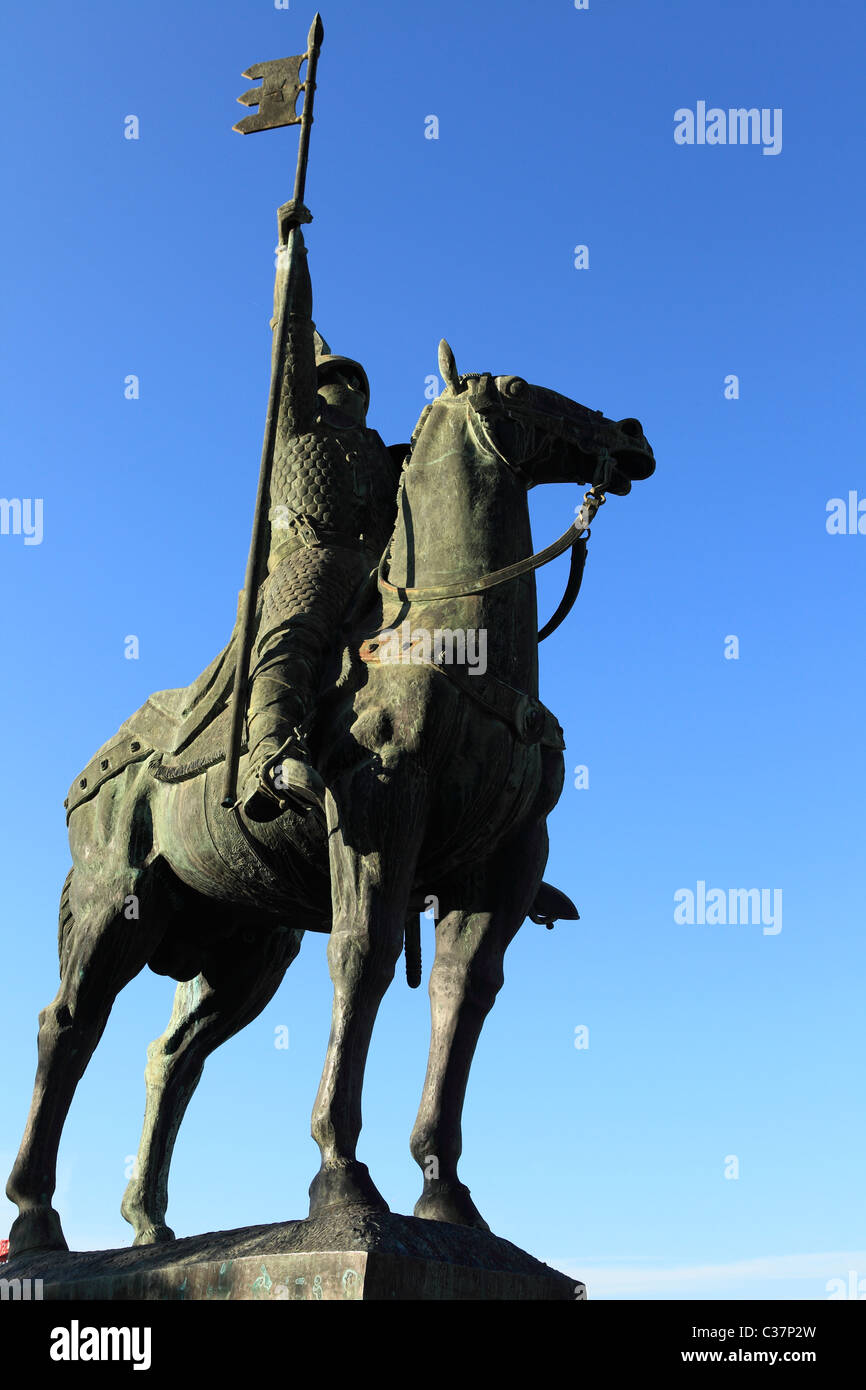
(327, 361)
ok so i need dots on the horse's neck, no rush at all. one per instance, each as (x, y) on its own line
(464, 514)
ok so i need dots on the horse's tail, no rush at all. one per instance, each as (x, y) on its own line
(64, 922)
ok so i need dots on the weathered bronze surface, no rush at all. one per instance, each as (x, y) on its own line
(430, 777)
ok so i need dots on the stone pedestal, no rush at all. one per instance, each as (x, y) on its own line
(354, 1254)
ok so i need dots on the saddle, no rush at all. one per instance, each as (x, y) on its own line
(195, 719)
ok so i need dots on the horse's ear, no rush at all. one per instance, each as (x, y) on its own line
(448, 367)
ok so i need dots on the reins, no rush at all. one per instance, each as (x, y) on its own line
(574, 538)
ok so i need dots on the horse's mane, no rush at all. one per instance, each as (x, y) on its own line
(422, 420)
(425, 413)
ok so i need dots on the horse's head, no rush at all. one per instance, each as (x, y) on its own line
(543, 436)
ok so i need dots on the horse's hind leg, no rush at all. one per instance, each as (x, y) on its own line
(101, 951)
(207, 1011)
(466, 976)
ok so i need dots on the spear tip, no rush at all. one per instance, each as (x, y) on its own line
(316, 34)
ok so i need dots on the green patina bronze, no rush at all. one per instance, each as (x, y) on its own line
(381, 765)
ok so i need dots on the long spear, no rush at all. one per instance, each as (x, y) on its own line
(276, 100)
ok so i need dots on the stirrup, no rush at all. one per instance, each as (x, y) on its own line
(286, 778)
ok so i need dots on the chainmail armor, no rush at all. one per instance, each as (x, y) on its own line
(342, 481)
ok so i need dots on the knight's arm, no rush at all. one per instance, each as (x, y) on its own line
(298, 399)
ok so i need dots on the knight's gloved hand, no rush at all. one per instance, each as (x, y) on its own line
(292, 214)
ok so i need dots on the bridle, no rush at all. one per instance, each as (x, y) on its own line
(575, 538)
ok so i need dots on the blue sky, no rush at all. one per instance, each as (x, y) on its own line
(154, 257)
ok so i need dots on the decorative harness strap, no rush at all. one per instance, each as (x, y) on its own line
(532, 721)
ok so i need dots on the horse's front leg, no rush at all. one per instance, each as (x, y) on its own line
(467, 975)
(374, 846)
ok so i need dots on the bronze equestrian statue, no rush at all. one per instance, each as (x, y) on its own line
(378, 770)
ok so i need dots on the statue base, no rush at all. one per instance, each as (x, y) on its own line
(349, 1254)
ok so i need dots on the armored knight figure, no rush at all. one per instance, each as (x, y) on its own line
(332, 509)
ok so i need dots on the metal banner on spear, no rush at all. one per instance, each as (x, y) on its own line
(276, 99)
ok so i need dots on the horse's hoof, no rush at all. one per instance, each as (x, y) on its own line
(345, 1184)
(36, 1230)
(154, 1235)
(450, 1202)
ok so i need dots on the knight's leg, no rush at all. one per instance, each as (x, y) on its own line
(207, 1011)
(370, 888)
(466, 976)
(305, 597)
(284, 683)
(102, 951)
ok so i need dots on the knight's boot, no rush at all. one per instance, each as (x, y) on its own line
(279, 770)
(281, 778)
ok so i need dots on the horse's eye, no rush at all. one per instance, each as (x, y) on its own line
(515, 387)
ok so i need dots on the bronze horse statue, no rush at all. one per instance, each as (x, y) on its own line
(439, 782)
